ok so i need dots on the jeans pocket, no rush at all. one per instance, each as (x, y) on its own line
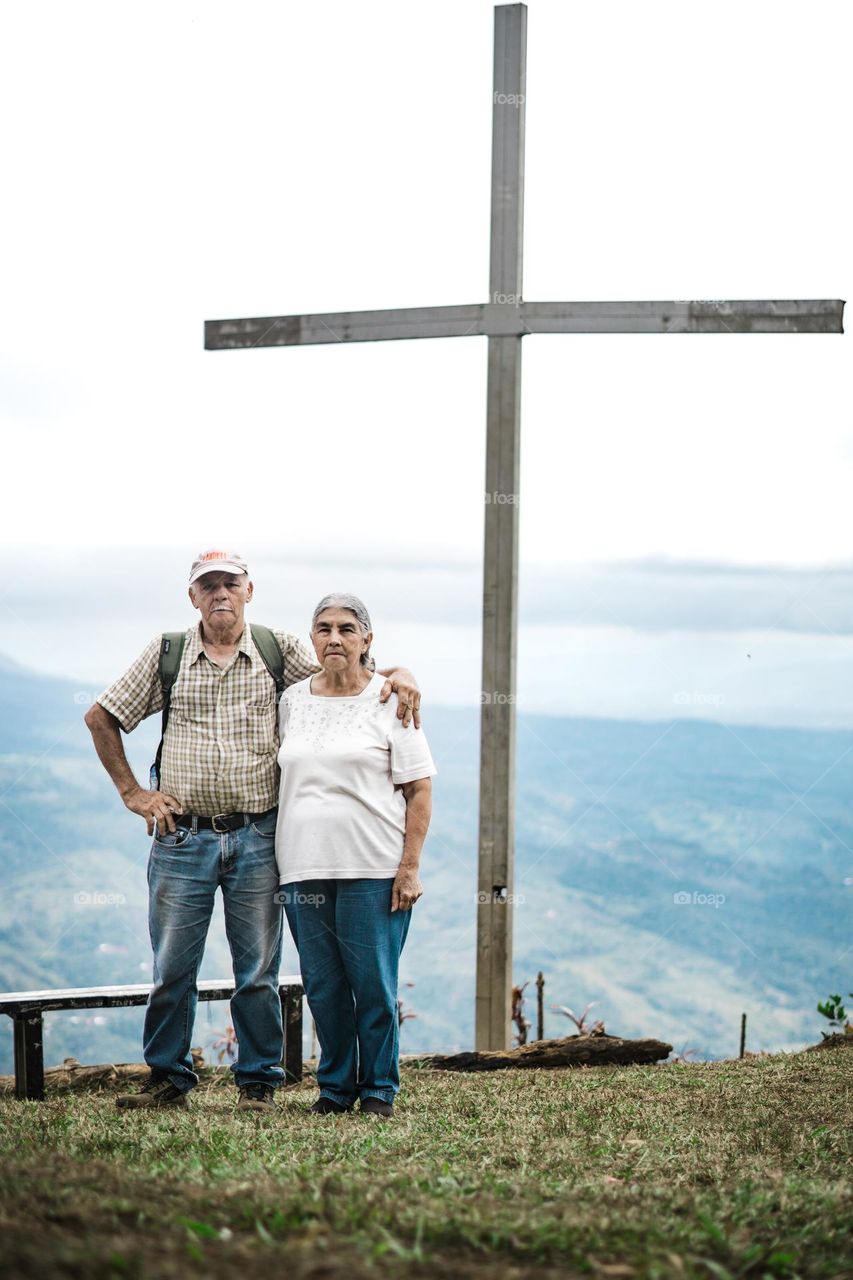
(173, 839)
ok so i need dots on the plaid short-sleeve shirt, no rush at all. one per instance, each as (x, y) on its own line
(219, 754)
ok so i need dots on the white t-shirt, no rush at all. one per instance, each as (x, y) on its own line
(340, 813)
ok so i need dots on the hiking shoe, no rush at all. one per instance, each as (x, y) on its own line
(376, 1107)
(256, 1097)
(155, 1093)
(328, 1107)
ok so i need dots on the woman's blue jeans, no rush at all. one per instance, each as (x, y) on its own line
(349, 945)
(184, 871)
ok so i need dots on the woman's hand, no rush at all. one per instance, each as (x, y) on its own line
(406, 890)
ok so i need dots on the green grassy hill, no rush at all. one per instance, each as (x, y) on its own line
(722, 1169)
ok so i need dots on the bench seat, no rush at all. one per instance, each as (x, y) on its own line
(26, 1009)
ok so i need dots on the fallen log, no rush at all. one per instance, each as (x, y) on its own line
(571, 1051)
(74, 1075)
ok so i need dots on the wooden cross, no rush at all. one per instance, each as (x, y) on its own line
(505, 319)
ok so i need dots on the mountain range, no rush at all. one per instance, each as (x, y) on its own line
(673, 874)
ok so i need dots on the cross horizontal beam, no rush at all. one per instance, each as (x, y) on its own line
(507, 319)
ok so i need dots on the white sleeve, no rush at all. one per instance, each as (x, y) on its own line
(410, 754)
(283, 713)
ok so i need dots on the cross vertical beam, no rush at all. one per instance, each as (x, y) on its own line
(496, 856)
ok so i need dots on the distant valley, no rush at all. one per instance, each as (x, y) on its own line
(675, 873)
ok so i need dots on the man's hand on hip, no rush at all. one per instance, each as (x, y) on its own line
(155, 807)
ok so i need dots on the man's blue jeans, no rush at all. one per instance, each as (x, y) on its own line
(349, 945)
(184, 870)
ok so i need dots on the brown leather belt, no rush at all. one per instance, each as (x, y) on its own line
(220, 822)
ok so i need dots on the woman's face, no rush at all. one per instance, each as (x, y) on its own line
(339, 640)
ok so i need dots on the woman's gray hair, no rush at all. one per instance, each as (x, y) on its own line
(344, 600)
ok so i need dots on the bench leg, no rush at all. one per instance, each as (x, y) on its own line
(29, 1058)
(291, 1018)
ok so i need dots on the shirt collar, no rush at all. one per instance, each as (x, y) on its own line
(247, 646)
(195, 648)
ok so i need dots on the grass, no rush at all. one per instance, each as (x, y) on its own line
(722, 1169)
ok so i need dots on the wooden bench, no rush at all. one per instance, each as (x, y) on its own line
(26, 1009)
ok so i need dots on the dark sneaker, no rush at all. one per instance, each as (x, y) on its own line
(256, 1097)
(328, 1107)
(155, 1093)
(376, 1107)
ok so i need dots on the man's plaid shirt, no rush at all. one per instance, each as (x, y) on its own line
(221, 746)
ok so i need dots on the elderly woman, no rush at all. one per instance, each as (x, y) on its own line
(354, 808)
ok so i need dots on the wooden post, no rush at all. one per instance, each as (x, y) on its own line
(291, 1018)
(29, 1057)
(540, 1006)
(742, 1034)
(500, 576)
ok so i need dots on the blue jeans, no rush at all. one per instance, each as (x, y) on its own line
(184, 870)
(349, 945)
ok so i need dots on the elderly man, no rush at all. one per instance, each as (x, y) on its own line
(212, 811)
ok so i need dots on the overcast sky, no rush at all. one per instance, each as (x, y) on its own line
(174, 162)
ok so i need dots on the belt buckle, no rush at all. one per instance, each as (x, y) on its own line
(220, 817)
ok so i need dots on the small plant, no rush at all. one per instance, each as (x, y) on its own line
(518, 1014)
(403, 1014)
(834, 1010)
(684, 1056)
(597, 1029)
(226, 1046)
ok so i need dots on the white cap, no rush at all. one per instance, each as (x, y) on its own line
(216, 562)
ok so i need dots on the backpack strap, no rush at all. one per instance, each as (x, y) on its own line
(267, 646)
(171, 650)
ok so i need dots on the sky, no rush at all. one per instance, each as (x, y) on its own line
(686, 545)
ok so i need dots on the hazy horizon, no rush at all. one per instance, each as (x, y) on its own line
(648, 640)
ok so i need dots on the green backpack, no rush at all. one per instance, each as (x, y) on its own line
(171, 651)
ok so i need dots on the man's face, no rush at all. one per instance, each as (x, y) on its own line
(220, 599)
